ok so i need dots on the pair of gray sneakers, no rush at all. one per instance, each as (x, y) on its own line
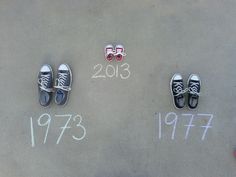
(61, 88)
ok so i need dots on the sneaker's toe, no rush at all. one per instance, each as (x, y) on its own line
(194, 77)
(177, 77)
(63, 67)
(109, 46)
(120, 46)
(45, 68)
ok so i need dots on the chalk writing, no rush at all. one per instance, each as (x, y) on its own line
(45, 120)
(109, 71)
(171, 119)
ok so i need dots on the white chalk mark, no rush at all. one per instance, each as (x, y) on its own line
(63, 128)
(173, 122)
(32, 132)
(209, 115)
(159, 119)
(125, 69)
(117, 71)
(112, 69)
(189, 125)
(63, 115)
(206, 126)
(96, 75)
(80, 126)
(47, 123)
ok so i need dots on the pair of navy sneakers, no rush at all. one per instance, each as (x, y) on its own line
(178, 91)
(61, 88)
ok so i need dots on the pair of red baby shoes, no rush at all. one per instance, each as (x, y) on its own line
(117, 52)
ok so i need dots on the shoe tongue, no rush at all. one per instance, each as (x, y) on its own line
(44, 97)
(60, 95)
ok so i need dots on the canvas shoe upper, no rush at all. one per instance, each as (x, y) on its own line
(194, 87)
(63, 84)
(178, 91)
(45, 85)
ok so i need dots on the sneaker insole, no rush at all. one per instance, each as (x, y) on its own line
(193, 101)
(44, 97)
(180, 101)
(60, 96)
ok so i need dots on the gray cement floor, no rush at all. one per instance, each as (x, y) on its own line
(161, 37)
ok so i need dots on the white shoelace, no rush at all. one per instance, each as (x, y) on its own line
(61, 80)
(193, 89)
(178, 89)
(43, 82)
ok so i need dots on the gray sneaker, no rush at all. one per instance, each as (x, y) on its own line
(63, 84)
(45, 85)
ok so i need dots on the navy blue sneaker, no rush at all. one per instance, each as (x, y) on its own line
(178, 91)
(63, 84)
(194, 87)
(45, 85)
